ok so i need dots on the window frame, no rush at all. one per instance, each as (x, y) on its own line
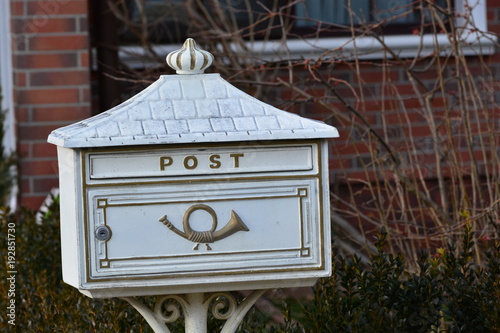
(7, 87)
(479, 42)
(6, 78)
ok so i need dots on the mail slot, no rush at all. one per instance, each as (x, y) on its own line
(199, 161)
(234, 196)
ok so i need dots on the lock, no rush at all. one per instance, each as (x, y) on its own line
(103, 233)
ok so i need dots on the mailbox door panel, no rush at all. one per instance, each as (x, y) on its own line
(204, 228)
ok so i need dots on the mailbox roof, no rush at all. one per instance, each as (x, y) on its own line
(189, 109)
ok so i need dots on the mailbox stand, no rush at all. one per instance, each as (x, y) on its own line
(191, 189)
(195, 308)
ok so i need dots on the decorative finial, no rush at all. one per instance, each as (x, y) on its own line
(189, 59)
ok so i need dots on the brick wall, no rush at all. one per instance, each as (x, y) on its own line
(51, 83)
(52, 88)
(384, 96)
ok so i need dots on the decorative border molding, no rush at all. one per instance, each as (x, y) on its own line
(104, 262)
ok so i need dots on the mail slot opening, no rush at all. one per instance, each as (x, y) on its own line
(170, 162)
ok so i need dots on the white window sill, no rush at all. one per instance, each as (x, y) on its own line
(403, 46)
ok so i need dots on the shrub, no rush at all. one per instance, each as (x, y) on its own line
(43, 302)
(7, 161)
(450, 291)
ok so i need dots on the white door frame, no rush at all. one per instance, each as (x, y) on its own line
(7, 85)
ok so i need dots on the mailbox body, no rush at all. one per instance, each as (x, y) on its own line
(193, 186)
(267, 204)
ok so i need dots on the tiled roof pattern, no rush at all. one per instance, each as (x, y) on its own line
(185, 109)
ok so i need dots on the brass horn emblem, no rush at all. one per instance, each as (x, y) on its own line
(234, 225)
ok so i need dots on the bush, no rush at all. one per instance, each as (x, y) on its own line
(7, 161)
(43, 302)
(449, 292)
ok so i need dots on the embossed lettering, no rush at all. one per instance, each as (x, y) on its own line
(165, 161)
(190, 162)
(236, 159)
(215, 161)
(190, 165)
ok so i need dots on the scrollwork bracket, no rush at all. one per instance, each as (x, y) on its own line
(195, 309)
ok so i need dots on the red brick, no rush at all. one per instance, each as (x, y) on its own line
(480, 128)
(437, 102)
(495, 28)
(352, 148)
(62, 113)
(33, 61)
(19, 79)
(44, 24)
(430, 74)
(418, 131)
(35, 132)
(22, 114)
(86, 95)
(405, 89)
(315, 111)
(346, 125)
(48, 96)
(24, 186)
(57, 7)
(84, 59)
(493, 4)
(390, 132)
(490, 15)
(404, 118)
(24, 149)
(357, 176)
(44, 150)
(379, 76)
(385, 104)
(17, 8)
(59, 43)
(316, 92)
(340, 163)
(45, 184)
(59, 78)
(412, 102)
(426, 159)
(32, 201)
(19, 43)
(84, 27)
(37, 168)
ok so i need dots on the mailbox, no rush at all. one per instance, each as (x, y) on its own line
(193, 186)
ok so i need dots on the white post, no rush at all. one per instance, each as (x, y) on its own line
(196, 313)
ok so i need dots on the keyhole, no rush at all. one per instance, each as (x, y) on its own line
(103, 233)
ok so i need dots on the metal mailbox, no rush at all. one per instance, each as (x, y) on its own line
(193, 186)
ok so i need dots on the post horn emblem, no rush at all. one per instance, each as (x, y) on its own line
(234, 225)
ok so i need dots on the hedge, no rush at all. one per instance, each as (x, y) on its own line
(449, 292)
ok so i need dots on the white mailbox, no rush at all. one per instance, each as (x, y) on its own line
(193, 186)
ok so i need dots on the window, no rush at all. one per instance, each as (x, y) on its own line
(395, 17)
(320, 25)
(168, 20)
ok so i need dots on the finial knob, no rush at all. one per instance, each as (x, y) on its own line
(189, 59)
